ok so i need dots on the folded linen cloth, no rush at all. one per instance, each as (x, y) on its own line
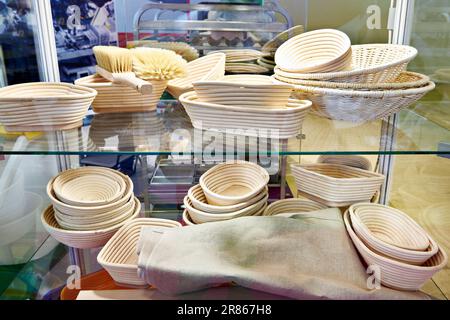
(306, 256)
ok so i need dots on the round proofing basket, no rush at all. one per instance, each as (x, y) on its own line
(239, 55)
(241, 67)
(102, 221)
(44, 106)
(89, 186)
(388, 231)
(199, 201)
(187, 219)
(395, 274)
(245, 92)
(358, 105)
(210, 67)
(82, 239)
(278, 123)
(233, 182)
(199, 217)
(371, 63)
(324, 50)
(119, 255)
(405, 80)
(90, 211)
(117, 98)
(293, 206)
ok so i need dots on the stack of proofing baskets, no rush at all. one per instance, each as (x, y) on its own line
(356, 83)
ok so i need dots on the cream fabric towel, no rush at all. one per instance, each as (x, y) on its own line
(306, 256)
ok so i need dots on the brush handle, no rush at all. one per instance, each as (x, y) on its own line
(127, 78)
(132, 81)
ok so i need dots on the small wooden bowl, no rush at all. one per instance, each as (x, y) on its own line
(293, 206)
(82, 239)
(89, 186)
(119, 255)
(199, 217)
(395, 274)
(199, 201)
(324, 50)
(233, 182)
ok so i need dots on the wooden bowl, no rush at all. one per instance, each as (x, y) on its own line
(83, 211)
(324, 50)
(293, 206)
(244, 91)
(44, 106)
(233, 182)
(395, 274)
(119, 255)
(336, 185)
(89, 186)
(392, 233)
(199, 201)
(82, 239)
(199, 217)
(210, 67)
(117, 98)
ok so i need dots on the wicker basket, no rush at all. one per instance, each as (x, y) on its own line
(268, 123)
(119, 257)
(395, 274)
(82, 239)
(242, 67)
(210, 67)
(336, 185)
(405, 80)
(44, 106)
(372, 63)
(116, 98)
(239, 55)
(360, 105)
(293, 206)
(347, 160)
(323, 50)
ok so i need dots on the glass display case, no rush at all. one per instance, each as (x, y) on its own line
(165, 155)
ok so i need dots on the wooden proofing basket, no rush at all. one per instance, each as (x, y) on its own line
(119, 255)
(336, 185)
(293, 206)
(44, 106)
(114, 98)
(279, 123)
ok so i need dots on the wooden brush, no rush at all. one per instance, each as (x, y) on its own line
(116, 64)
(158, 64)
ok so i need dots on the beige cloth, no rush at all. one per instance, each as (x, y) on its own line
(307, 256)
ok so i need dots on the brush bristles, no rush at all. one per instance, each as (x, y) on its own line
(114, 59)
(158, 64)
(183, 49)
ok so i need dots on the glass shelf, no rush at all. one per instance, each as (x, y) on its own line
(168, 131)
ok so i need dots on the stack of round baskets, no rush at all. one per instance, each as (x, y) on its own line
(373, 85)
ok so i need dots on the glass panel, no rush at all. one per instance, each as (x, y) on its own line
(431, 36)
(18, 62)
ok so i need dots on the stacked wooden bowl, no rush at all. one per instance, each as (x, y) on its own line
(336, 185)
(243, 61)
(257, 105)
(228, 191)
(351, 83)
(89, 205)
(44, 106)
(117, 98)
(210, 67)
(119, 256)
(389, 239)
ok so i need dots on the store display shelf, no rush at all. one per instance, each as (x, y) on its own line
(168, 131)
